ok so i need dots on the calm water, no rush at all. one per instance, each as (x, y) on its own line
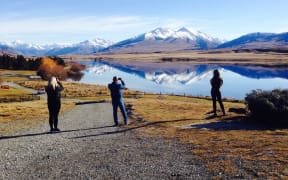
(192, 80)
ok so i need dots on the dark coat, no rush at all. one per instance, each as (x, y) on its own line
(116, 90)
(53, 95)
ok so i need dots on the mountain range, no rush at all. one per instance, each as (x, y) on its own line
(157, 40)
(258, 41)
(165, 39)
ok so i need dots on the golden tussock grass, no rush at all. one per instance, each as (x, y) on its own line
(21, 115)
(15, 75)
(202, 57)
(262, 153)
(11, 91)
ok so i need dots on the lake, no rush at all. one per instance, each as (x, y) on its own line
(189, 79)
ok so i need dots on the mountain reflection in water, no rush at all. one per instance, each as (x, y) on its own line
(188, 80)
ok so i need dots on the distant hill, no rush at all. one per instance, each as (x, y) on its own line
(258, 41)
(165, 39)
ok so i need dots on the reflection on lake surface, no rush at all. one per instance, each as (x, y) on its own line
(190, 80)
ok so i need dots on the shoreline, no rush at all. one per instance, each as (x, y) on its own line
(267, 59)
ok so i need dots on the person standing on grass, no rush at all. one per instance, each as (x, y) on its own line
(117, 99)
(216, 82)
(53, 90)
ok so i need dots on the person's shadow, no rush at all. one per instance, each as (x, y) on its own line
(46, 133)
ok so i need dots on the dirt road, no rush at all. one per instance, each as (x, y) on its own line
(89, 147)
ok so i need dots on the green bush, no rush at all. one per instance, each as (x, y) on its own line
(269, 106)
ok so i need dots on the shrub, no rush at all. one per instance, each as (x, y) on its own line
(49, 68)
(269, 106)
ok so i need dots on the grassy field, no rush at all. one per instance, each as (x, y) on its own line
(269, 59)
(15, 75)
(225, 143)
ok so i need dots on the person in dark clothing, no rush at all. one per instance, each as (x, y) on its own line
(117, 99)
(53, 90)
(216, 82)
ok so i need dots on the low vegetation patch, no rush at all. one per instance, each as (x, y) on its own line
(268, 106)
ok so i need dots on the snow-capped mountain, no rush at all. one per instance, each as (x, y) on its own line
(258, 41)
(82, 48)
(85, 47)
(20, 47)
(157, 40)
(165, 39)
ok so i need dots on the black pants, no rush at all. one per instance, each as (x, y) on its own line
(54, 108)
(216, 95)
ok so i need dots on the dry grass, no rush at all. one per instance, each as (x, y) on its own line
(19, 115)
(16, 75)
(261, 153)
(71, 90)
(11, 91)
(12, 94)
(202, 57)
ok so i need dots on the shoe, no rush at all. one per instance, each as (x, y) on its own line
(115, 125)
(56, 129)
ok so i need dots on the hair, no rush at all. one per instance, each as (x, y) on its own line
(53, 82)
(115, 78)
(216, 73)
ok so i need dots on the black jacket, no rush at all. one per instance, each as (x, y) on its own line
(53, 95)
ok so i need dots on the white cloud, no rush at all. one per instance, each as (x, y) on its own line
(66, 24)
(111, 27)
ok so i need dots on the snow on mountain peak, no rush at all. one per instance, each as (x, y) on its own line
(160, 33)
(96, 42)
(195, 33)
(183, 33)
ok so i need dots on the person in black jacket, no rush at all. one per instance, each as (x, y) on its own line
(53, 90)
(117, 99)
(216, 82)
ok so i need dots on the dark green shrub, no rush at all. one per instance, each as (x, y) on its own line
(269, 106)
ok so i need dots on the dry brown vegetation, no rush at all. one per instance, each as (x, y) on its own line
(202, 57)
(223, 143)
(16, 75)
(49, 68)
(20, 115)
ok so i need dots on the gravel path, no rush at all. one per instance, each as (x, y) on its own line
(88, 147)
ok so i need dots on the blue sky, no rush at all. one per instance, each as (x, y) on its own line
(46, 22)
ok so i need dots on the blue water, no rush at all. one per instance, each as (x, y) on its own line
(194, 80)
